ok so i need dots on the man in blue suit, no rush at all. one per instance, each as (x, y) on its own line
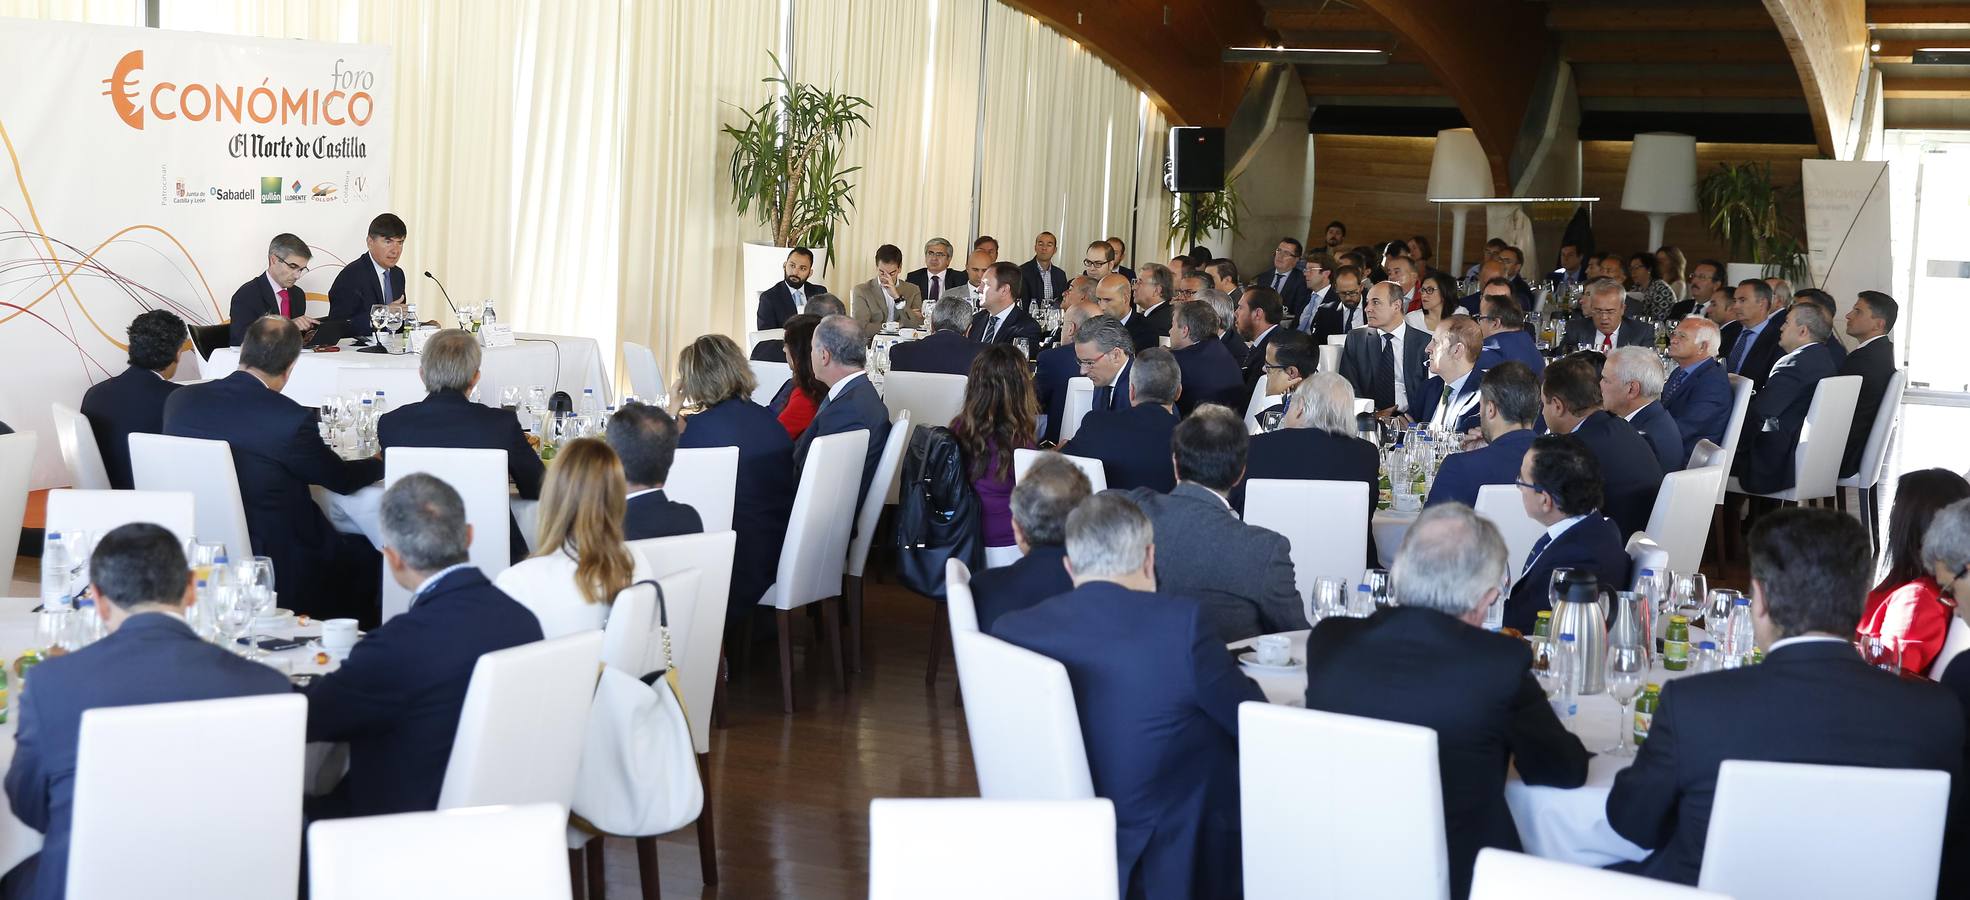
(1001, 319)
(1505, 337)
(1508, 404)
(397, 698)
(1631, 387)
(1134, 444)
(1210, 375)
(447, 417)
(853, 403)
(1560, 485)
(1057, 365)
(142, 587)
(1755, 350)
(273, 292)
(645, 439)
(945, 350)
(788, 298)
(1157, 695)
(1698, 393)
(1450, 400)
(1630, 474)
(372, 279)
(1105, 353)
(277, 453)
(1777, 414)
(133, 401)
(1040, 504)
(1384, 359)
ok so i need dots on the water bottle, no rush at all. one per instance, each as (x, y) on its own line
(487, 315)
(1569, 662)
(1743, 639)
(588, 404)
(55, 572)
(87, 627)
(382, 402)
(1494, 615)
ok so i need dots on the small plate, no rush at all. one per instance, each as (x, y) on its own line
(278, 618)
(1250, 660)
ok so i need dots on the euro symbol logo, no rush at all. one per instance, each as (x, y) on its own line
(122, 92)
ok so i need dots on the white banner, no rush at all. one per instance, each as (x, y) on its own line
(1847, 229)
(148, 169)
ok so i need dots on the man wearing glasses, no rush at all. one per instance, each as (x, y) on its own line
(274, 293)
(1101, 261)
(935, 277)
(1285, 277)
(1342, 312)
(1318, 273)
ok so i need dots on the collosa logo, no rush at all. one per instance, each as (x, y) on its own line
(264, 103)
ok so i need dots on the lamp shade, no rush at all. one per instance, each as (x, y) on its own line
(1459, 168)
(1661, 174)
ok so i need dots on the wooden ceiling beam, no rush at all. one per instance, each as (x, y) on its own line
(1672, 49)
(1902, 50)
(1171, 49)
(1925, 88)
(1332, 19)
(1933, 15)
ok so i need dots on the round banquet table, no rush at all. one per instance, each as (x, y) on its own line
(556, 362)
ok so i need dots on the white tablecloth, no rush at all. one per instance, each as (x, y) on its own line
(1389, 526)
(556, 362)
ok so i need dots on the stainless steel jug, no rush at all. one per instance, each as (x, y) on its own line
(1578, 610)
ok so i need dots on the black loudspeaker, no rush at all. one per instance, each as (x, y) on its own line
(1195, 163)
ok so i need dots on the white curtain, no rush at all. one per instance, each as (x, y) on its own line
(1153, 202)
(95, 12)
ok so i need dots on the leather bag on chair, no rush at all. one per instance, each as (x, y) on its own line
(639, 771)
(937, 515)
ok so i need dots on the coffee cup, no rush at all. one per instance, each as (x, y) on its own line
(338, 634)
(1273, 650)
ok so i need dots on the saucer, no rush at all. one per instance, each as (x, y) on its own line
(1250, 660)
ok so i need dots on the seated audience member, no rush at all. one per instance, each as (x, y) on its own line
(1946, 556)
(273, 292)
(1055, 366)
(1505, 337)
(1831, 310)
(1154, 287)
(945, 349)
(999, 416)
(1482, 274)
(1706, 278)
(1318, 272)
(853, 403)
(1227, 310)
(1630, 475)
(1907, 609)
(582, 562)
(1001, 319)
(142, 587)
(447, 417)
(932, 283)
(1427, 661)
(1870, 323)
(1342, 312)
(887, 297)
(1649, 297)
(774, 350)
(788, 298)
(1133, 444)
(1115, 294)
(1385, 360)
(716, 385)
(1450, 400)
(1813, 699)
(1040, 504)
(1437, 294)
(645, 440)
(1631, 387)
(396, 699)
(1508, 405)
(973, 290)
(1752, 348)
(1777, 415)
(1224, 278)
(1106, 355)
(1242, 574)
(1040, 280)
(1157, 695)
(1210, 375)
(1290, 359)
(1256, 319)
(802, 394)
(1698, 394)
(132, 402)
(1560, 486)
(1605, 327)
(277, 453)
(1316, 440)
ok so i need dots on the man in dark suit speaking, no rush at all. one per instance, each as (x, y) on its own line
(370, 279)
(273, 292)
(133, 401)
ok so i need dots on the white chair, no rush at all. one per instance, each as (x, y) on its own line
(1504, 875)
(400, 386)
(814, 555)
(1741, 391)
(16, 467)
(1337, 340)
(957, 593)
(1330, 358)
(205, 468)
(968, 849)
(100, 511)
(1324, 522)
(646, 375)
(931, 398)
(247, 843)
(1816, 458)
(521, 726)
(1954, 642)
(1706, 454)
(80, 451)
(1500, 503)
(706, 478)
(1079, 402)
(1093, 468)
(1874, 454)
(1644, 554)
(1680, 521)
(1025, 732)
(888, 468)
(753, 338)
(1260, 401)
(1770, 838)
(1358, 801)
(487, 853)
(479, 477)
(771, 377)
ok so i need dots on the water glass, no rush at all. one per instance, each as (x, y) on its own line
(1330, 598)
(1545, 667)
(1717, 618)
(1377, 581)
(1627, 668)
(1880, 653)
(1691, 590)
(509, 397)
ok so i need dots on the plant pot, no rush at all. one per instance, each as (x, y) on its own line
(1739, 272)
(765, 265)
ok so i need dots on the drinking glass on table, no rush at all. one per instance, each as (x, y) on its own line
(1377, 582)
(377, 316)
(1330, 599)
(1880, 653)
(1690, 591)
(1627, 668)
(1545, 668)
(232, 615)
(509, 397)
(1719, 613)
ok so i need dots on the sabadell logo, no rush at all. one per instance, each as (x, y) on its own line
(263, 104)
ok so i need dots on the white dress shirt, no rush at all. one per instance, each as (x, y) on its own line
(996, 323)
(1401, 390)
(1447, 414)
(382, 278)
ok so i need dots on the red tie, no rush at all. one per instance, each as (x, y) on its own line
(284, 313)
(1607, 341)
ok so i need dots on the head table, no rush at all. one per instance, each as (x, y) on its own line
(556, 362)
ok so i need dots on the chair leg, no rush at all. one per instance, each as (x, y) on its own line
(854, 600)
(707, 830)
(937, 626)
(746, 626)
(646, 868)
(785, 621)
(598, 881)
(1840, 499)
(723, 675)
(1873, 504)
(831, 623)
(577, 884)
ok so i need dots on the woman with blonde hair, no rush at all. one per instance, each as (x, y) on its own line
(580, 562)
(718, 381)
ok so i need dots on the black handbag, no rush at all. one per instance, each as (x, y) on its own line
(938, 515)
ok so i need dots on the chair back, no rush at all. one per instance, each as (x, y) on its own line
(1335, 542)
(972, 849)
(100, 511)
(1680, 521)
(646, 376)
(706, 479)
(957, 593)
(401, 386)
(1093, 468)
(247, 843)
(1706, 454)
(1337, 340)
(1955, 641)
(205, 469)
(931, 398)
(1875, 452)
(753, 338)
(1769, 836)
(771, 377)
(1500, 504)
(1260, 400)
(480, 478)
(80, 452)
(888, 469)
(487, 853)
(814, 555)
(1330, 357)
(1302, 772)
(207, 338)
(1823, 440)
(521, 727)
(16, 468)
(697, 623)
(1504, 875)
(1741, 390)
(632, 641)
(1025, 732)
(1079, 402)
(1644, 554)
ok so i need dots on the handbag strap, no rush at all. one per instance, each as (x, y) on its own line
(663, 619)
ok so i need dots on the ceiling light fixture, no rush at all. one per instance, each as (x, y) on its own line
(1942, 56)
(1327, 56)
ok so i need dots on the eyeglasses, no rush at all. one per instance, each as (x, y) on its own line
(937, 254)
(292, 267)
(1092, 263)
(1285, 251)
(1272, 367)
(1186, 292)
(1530, 487)
(1428, 289)
(1348, 293)
(1087, 364)
(1485, 318)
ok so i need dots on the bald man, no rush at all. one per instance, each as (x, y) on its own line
(1080, 288)
(1115, 294)
(1056, 365)
(974, 268)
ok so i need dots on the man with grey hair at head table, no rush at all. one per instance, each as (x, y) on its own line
(1426, 661)
(852, 403)
(1158, 698)
(1045, 496)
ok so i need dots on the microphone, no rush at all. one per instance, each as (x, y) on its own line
(457, 316)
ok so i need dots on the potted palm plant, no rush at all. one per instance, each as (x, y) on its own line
(1205, 218)
(786, 171)
(1745, 210)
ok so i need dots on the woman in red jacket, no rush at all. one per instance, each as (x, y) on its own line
(1907, 609)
